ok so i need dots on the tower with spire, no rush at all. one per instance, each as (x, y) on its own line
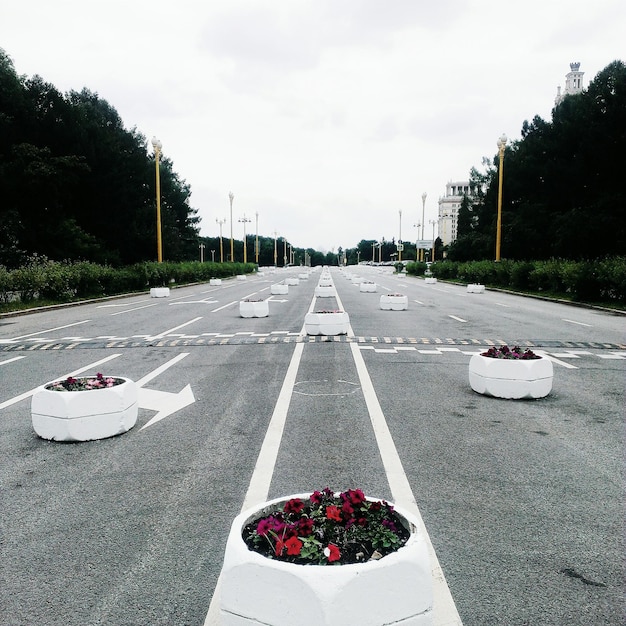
(573, 83)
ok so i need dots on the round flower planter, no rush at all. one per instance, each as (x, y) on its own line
(256, 590)
(215, 281)
(303, 276)
(509, 378)
(368, 287)
(325, 291)
(430, 280)
(84, 415)
(292, 281)
(327, 323)
(475, 288)
(242, 277)
(357, 280)
(279, 289)
(254, 308)
(159, 292)
(391, 302)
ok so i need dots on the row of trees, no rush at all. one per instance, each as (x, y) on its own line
(563, 195)
(77, 185)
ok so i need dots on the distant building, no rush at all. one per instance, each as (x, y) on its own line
(449, 209)
(573, 83)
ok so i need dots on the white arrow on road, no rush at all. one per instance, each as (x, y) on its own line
(164, 402)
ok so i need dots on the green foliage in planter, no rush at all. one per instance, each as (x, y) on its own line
(416, 268)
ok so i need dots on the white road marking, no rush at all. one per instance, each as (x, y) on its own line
(418, 301)
(171, 330)
(16, 358)
(458, 319)
(147, 306)
(224, 307)
(577, 323)
(554, 360)
(108, 306)
(508, 306)
(49, 330)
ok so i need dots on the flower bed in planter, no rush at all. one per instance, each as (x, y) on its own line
(392, 589)
(368, 286)
(159, 292)
(512, 378)
(254, 308)
(279, 289)
(394, 302)
(327, 323)
(475, 288)
(84, 414)
(326, 290)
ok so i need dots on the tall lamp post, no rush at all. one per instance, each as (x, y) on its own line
(432, 254)
(231, 197)
(284, 252)
(501, 145)
(275, 251)
(400, 239)
(423, 209)
(157, 145)
(256, 243)
(244, 219)
(202, 247)
(220, 222)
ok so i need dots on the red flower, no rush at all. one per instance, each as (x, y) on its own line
(332, 553)
(332, 512)
(347, 509)
(280, 546)
(294, 505)
(293, 545)
(305, 526)
(354, 496)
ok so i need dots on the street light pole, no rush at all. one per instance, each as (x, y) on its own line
(202, 247)
(244, 219)
(423, 210)
(400, 239)
(275, 251)
(220, 222)
(157, 145)
(284, 252)
(432, 254)
(501, 145)
(231, 196)
(256, 243)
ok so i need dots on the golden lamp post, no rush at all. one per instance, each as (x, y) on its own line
(245, 220)
(220, 222)
(422, 224)
(157, 145)
(501, 146)
(231, 196)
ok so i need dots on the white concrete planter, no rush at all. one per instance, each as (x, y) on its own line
(84, 415)
(254, 308)
(215, 281)
(511, 379)
(475, 288)
(303, 276)
(394, 302)
(368, 287)
(279, 289)
(430, 280)
(396, 589)
(327, 323)
(357, 280)
(160, 292)
(292, 281)
(242, 277)
(325, 291)
(260, 273)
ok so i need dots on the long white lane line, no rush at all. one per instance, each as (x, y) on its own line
(49, 330)
(223, 307)
(159, 370)
(171, 330)
(146, 306)
(17, 358)
(444, 609)
(259, 486)
(577, 323)
(74, 373)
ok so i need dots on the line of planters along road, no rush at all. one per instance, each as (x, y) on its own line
(42, 281)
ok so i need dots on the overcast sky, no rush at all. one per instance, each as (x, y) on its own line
(327, 117)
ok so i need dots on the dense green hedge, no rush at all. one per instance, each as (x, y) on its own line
(42, 279)
(603, 280)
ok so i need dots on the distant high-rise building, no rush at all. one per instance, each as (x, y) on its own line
(573, 83)
(449, 210)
